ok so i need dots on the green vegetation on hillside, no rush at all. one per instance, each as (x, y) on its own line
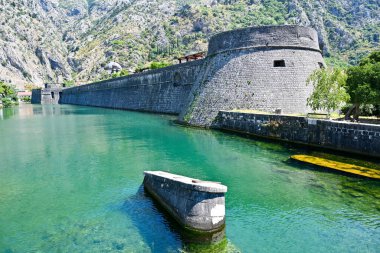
(121, 73)
(133, 34)
(79, 36)
(159, 65)
(68, 83)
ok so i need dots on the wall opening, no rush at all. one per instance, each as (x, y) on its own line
(279, 63)
(60, 97)
(177, 79)
(52, 95)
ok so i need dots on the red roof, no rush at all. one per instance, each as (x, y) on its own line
(24, 93)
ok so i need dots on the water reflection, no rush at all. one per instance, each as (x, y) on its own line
(7, 113)
(24, 111)
(154, 222)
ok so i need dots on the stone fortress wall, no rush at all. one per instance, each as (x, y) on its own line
(49, 95)
(260, 68)
(162, 91)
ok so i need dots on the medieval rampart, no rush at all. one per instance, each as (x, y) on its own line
(163, 90)
(261, 68)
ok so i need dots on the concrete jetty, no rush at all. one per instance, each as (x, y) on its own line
(197, 205)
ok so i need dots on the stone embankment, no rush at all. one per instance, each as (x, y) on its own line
(196, 205)
(343, 136)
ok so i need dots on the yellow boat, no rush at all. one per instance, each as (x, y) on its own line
(348, 168)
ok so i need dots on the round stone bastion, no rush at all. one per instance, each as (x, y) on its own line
(255, 68)
(265, 37)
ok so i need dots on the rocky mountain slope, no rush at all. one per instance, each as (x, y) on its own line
(59, 40)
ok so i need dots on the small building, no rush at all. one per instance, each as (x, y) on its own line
(24, 95)
(192, 57)
(50, 94)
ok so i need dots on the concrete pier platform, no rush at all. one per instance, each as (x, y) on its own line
(197, 205)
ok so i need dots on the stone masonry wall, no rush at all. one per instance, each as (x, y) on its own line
(46, 96)
(248, 80)
(263, 37)
(163, 90)
(240, 72)
(343, 136)
(260, 68)
(36, 96)
(195, 204)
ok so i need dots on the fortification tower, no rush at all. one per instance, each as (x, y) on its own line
(259, 68)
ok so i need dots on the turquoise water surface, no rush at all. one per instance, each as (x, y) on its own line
(70, 181)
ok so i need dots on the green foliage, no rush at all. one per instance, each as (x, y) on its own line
(121, 73)
(363, 82)
(118, 42)
(159, 65)
(365, 110)
(30, 87)
(372, 58)
(329, 89)
(8, 95)
(68, 83)
(334, 62)
(26, 99)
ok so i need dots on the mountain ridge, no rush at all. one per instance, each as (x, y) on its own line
(55, 40)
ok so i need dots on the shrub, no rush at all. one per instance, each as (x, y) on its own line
(159, 65)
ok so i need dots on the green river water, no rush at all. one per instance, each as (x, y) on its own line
(70, 181)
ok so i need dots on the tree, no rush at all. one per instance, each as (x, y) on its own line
(158, 65)
(8, 95)
(329, 89)
(30, 87)
(68, 83)
(121, 73)
(363, 84)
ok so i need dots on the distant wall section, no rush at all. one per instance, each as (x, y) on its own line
(162, 90)
(47, 95)
(36, 96)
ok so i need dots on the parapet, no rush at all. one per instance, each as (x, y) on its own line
(197, 205)
(288, 36)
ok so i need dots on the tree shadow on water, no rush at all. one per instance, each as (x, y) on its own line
(162, 233)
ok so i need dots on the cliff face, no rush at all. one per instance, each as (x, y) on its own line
(56, 40)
